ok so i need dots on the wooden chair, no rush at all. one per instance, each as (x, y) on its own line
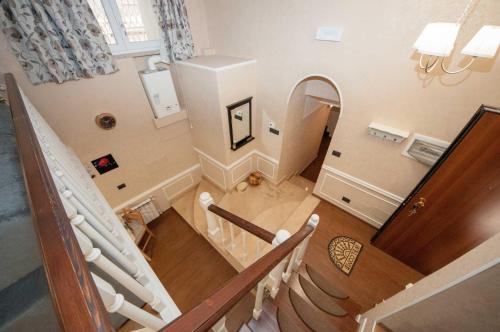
(135, 222)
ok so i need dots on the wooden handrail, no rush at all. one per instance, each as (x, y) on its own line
(75, 298)
(246, 225)
(210, 311)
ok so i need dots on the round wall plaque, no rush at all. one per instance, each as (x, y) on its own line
(105, 121)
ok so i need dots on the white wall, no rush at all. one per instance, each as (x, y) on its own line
(375, 70)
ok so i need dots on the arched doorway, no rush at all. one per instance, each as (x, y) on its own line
(313, 109)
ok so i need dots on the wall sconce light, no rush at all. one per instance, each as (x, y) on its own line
(437, 41)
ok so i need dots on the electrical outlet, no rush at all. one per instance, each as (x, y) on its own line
(336, 153)
(121, 186)
(345, 199)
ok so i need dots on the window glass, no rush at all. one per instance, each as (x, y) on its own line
(138, 19)
(103, 21)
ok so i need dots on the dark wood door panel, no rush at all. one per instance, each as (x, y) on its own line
(461, 205)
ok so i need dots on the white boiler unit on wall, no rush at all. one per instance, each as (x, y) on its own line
(161, 92)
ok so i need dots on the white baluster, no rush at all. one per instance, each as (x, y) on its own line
(79, 222)
(221, 227)
(205, 201)
(313, 222)
(232, 245)
(276, 274)
(116, 303)
(288, 273)
(220, 326)
(94, 255)
(99, 225)
(244, 244)
(259, 298)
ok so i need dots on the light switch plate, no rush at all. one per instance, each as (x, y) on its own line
(329, 34)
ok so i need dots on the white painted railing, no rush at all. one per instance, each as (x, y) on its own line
(246, 246)
(102, 237)
(281, 272)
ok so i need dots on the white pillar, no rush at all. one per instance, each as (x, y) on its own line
(116, 303)
(313, 222)
(277, 273)
(259, 298)
(244, 249)
(205, 201)
(220, 326)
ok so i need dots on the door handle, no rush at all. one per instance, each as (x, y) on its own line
(417, 206)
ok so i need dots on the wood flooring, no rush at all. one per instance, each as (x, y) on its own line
(312, 171)
(190, 268)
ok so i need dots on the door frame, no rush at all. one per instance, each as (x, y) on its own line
(470, 124)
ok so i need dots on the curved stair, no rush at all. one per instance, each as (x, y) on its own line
(320, 299)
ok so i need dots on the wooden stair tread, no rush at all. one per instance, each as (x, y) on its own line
(309, 314)
(343, 323)
(323, 284)
(268, 319)
(347, 304)
(286, 312)
(321, 299)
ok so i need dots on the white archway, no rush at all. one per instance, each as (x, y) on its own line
(312, 76)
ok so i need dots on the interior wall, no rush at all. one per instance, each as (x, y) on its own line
(304, 128)
(478, 259)
(146, 155)
(375, 69)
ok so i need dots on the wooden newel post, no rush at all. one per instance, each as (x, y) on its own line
(205, 201)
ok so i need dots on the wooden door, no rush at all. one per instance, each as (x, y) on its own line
(457, 204)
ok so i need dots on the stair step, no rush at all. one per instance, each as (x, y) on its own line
(341, 323)
(267, 321)
(321, 299)
(324, 284)
(345, 303)
(309, 314)
(288, 318)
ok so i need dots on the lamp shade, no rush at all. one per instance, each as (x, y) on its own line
(437, 39)
(485, 42)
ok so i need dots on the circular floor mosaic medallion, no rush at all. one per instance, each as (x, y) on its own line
(344, 252)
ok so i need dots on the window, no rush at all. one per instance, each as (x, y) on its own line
(129, 26)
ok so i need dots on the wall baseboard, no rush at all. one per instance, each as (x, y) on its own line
(167, 190)
(368, 202)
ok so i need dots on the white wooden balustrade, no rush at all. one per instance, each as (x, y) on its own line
(102, 237)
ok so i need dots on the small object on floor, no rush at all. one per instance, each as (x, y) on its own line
(255, 178)
(344, 252)
(242, 186)
(135, 222)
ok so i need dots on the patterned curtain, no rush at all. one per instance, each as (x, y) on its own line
(55, 40)
(175, 31)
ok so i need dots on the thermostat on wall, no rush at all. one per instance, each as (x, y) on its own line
(387, 133)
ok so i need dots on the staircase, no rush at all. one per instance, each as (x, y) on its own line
(307, 302)
(270, 207)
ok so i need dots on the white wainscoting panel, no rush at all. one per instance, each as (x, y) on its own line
(241, 171)
(159, 194)
(266, 167)
(367, 202)
(213, 172)
(179, 186)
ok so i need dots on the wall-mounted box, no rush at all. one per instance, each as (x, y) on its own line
(387, 133)
(425, 149)
(161, 92)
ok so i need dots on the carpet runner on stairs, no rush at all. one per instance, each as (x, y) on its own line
(302, 306)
